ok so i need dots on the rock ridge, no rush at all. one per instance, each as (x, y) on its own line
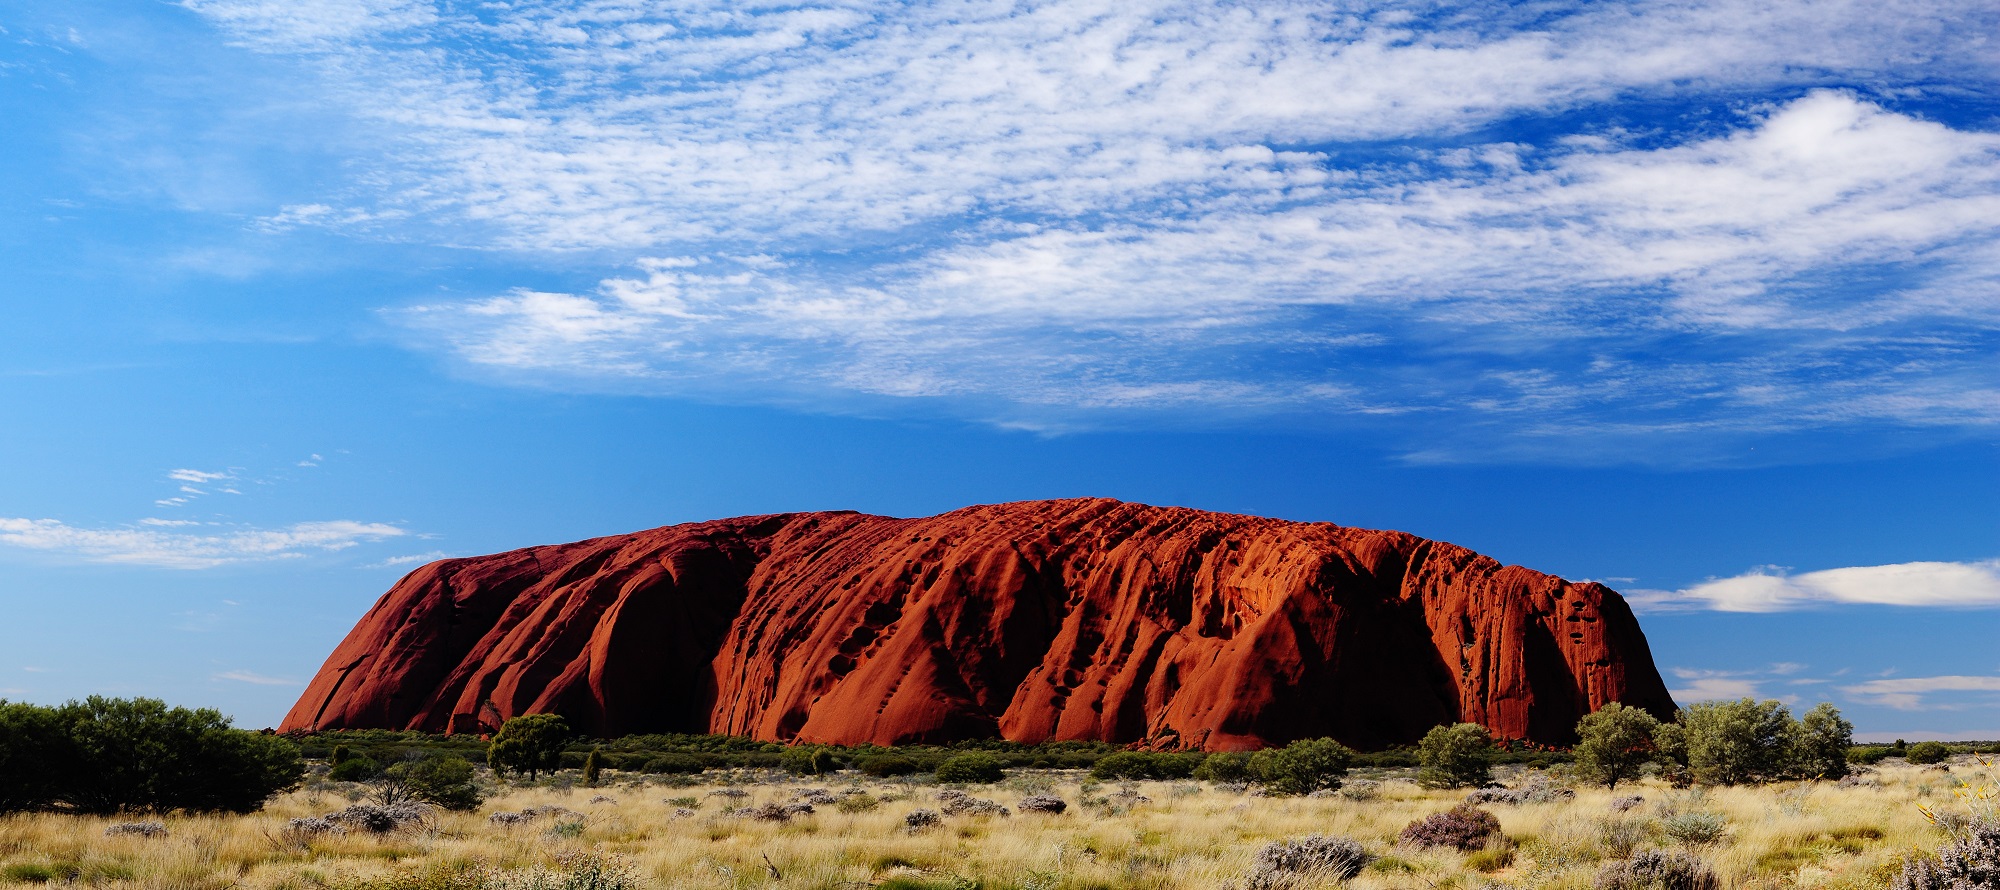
(1079, 619)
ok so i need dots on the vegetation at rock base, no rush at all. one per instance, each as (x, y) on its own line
(1456, 756)
(530, 743)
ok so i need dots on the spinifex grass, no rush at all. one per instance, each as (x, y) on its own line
(1187, 835)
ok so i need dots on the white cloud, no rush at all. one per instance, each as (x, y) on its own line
(258, 679)
(156, 546)
(198, 477)
(1056, 213)
(1713, 688)
(1908, 693)
(410, 559)
(1770, 589)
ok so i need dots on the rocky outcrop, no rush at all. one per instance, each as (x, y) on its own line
(1070, 619)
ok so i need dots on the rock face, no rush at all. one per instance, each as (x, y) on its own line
(1071, 619)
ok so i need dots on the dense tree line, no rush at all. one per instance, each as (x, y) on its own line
(105, 755)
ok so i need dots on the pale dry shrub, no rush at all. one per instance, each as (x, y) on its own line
(1464, 827)
(149, 828)
(1307, 861)
(1970, 862)
(1043, 803)
(1657, 870)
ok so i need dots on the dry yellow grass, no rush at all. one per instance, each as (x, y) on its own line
(1187, 836)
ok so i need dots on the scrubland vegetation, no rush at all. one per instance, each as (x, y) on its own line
(767, 829)
(1306, 816)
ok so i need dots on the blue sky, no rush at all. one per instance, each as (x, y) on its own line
(1701, 300)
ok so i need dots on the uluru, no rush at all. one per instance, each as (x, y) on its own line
(1080, 619)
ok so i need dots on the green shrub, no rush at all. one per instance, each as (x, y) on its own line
(355, 769)
(593, 766)
(886, 765)
(529, 743)
(1928, 752)
(1455, 756)
(1614, 743)
(1694, 828)
(973, 768)
(1302, 767)
(103, 755)
(673, 764)
(808, 760)
(1868, 755)
(441, 779)
(1224, 766)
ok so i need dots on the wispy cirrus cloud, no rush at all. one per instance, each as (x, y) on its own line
(1920, 693)
(255, 679)
(1964, 585)
(161, 547)
(1558, 228)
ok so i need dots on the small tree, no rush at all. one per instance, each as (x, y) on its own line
(1613, 743)
(593, 766)
(529, 743)
(1819, 743)
(1455, 756)
(33, 757)
(1302, 767)
(1733, 742)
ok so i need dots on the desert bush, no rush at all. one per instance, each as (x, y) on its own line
(1744, 741)
(441, 779)
(104, 755)
(1969, 862)
(1626, 804)
(378, 819)
(593, 766)
(886, 765)
(859, 802)
(1927, 752)
(148, 828)
(1308, 861)
(530, 743)
(1657, 870)
(1043, 803)
(1614, 743)
(972, 768)
(959, 803)
(808, 760)
(918, 820)
(1360, 789)
(1694, 828)
(1224, 766)
(1463, 827)
(1869, 755)
(1818, 744)
(1455, 756)
(355, 768)
(1302, 767)
(673, 764)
